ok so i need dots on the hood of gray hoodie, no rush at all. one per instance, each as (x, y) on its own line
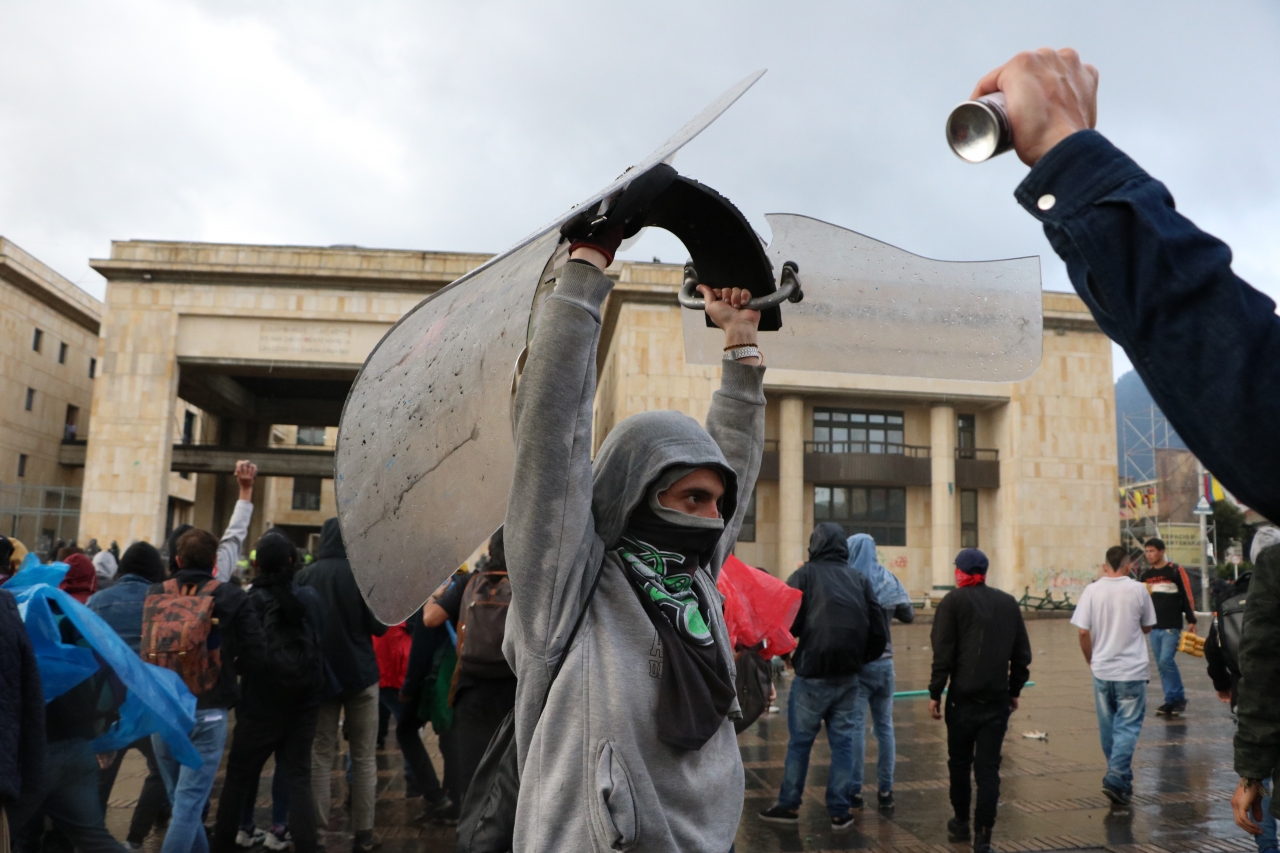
(635, 454)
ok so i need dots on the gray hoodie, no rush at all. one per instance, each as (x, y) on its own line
(593, 773)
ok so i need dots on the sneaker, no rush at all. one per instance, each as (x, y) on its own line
(278, 840)
(885, 800)
(133, 846)
(856, 802)
(1116, 796)
(247, 838)
(1165, 710)
(957, 829)
(1179, 706)
(436, 810)
(842, 822)
(777, 814)
(982, 840)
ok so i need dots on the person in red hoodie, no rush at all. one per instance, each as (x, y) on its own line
(392, 651)
(81, 580)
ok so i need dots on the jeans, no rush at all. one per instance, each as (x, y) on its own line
(408, 727)
(289, 736)
(1121, 707)
(361, 727)
(279, 797)
(975, 734)
(812, 702)
(68, 796)
(152, 801)
(875, 693)
(1164, 645)
(189, 788)
(1267, 840)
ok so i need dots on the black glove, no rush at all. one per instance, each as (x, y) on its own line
(624, 219)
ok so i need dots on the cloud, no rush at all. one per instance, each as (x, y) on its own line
(464, 126)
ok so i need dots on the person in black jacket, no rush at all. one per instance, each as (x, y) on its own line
(840, 628)
(22, 735)
(278, 711)
(348, 649)
(980, 647)
(239, 634)
(1171, 594)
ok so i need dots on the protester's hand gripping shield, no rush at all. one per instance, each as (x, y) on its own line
(425, 455)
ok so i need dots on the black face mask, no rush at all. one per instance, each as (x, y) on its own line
(660, 558)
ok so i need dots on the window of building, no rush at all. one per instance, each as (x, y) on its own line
(966, 437)
(22, 464)
(72, 423)
(850, 431)
(37, 340)
(748, 532)
(62, 353)
(875, 510)
(31, 399)
(188, 427)
(306, 493)
(969, 518)
(93, 367)
(311, 436)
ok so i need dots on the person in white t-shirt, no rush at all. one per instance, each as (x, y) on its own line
(1114, 616)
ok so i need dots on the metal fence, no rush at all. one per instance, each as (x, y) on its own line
(39, 515)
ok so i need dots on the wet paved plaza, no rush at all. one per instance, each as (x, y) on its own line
(1051, 795)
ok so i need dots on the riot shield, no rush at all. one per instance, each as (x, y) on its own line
(425, 454)
(873, 308)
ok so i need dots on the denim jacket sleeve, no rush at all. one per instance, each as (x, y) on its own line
(1206, 344)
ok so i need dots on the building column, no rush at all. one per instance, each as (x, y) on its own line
(791, 533)
(945, 527)
(130, 450)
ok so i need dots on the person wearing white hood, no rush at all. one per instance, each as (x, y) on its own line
(105, 567)
(635, 748)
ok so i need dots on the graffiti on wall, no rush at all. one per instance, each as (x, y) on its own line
(1058, 579)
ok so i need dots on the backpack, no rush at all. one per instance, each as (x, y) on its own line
(177, 625)
(1230, 620)
(291, 662)
(753, 681)
(482, 624)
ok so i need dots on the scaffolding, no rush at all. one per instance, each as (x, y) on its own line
(39, 516)
(1141, 434)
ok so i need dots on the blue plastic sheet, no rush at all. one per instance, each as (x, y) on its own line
(157, 701)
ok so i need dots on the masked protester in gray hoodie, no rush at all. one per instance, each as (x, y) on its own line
(635, 749)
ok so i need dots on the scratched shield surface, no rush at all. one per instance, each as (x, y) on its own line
(425, 454)
(873, 308)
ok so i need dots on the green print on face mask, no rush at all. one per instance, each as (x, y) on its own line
(671, 591)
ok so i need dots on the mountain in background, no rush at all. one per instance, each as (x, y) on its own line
(1145, 417)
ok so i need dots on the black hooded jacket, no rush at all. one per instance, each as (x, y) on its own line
(980, 646)
(349, 625)
(835, 623)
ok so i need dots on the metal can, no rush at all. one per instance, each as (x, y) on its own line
(979, 130)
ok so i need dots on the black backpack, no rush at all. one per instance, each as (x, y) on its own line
(291, 661)
(1230, 620)
(754, 682)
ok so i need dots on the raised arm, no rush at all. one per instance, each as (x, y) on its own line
(736, 417)
(232, 543)
(549, 532)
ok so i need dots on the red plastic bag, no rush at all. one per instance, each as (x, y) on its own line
(757, 607)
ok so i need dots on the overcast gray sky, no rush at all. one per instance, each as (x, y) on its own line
(463, 126)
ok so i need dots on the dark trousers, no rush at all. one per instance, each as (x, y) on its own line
(477, 713)
(415, 754)
(68, 796)
(289, 736)
(975, 733)
(152, 802)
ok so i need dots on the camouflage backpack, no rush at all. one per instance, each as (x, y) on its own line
(176, 628)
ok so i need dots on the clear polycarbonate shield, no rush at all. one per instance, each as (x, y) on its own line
(425, 454)
(873, 308)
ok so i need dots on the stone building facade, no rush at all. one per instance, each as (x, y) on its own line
(48, 361)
